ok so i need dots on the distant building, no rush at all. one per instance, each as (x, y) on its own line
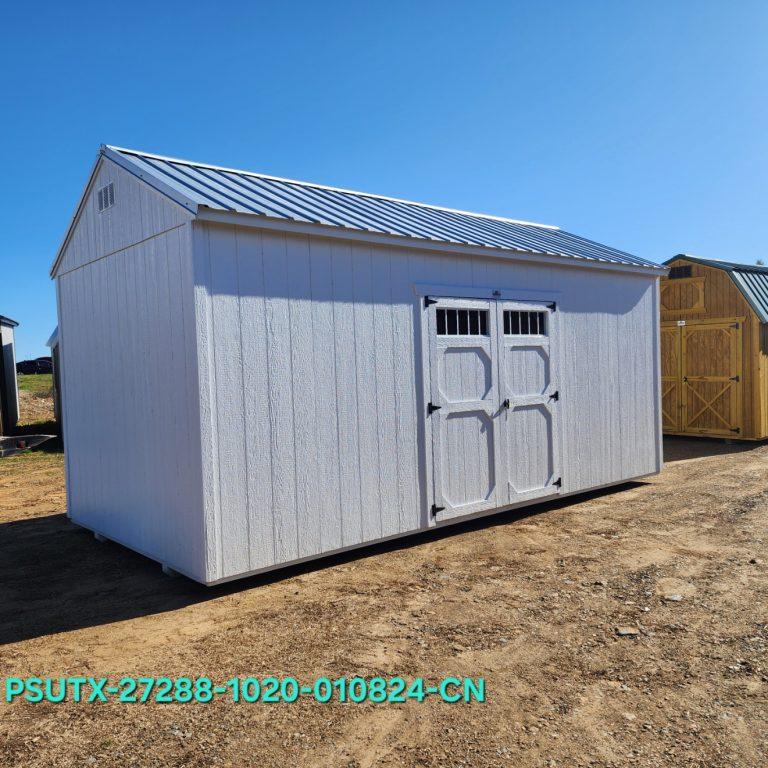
(9, 392)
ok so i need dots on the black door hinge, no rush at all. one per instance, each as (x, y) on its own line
(428, 301)
(431, 408)
(734, 378)
(436, 509)
(558, 482)
(736, 429)
(552, 305)
(505, 404)
(555, 395)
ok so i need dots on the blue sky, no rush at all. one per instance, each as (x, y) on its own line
(640, 124)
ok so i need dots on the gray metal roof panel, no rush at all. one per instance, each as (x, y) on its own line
(750, 279)
(228, 189)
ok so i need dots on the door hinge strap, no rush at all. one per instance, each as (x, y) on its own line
(505, 404)
(436, 509)
(558, 482)
(555, 395)
(428, 301)
(553, 306)
(736, 429)
(735, 378)
(431, 408)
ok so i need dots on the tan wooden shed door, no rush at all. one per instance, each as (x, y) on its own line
(701, 378)
(711, 373)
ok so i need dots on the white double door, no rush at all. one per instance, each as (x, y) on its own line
(492, 404)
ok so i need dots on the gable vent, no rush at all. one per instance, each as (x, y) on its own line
(106, 197)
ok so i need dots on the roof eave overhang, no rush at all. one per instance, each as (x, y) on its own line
(342, 233)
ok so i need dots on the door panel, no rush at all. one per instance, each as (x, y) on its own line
(671, 390)
(528, 422)
(711, 378)
(464, 404)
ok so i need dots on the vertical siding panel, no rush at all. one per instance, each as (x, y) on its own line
(196, 503)
(344, 340)
(225, 299)
(406, 380)
(257, 398)
(208, 414)
(367, 396)
(327, 401)
(384, 413)
(302, 373)
(280, 396)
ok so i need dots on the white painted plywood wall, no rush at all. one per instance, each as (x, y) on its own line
(313, 428)
(129, 375)
(139, 212)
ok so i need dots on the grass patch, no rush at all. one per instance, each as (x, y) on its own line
(35, 382)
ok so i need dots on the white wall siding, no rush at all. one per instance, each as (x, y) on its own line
(130, 398)
(139, 213)
(312, 391)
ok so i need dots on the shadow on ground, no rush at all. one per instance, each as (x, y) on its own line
(56, 577)
(678, 448)
(54, 445)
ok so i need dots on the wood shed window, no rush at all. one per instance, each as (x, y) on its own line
(462, 322)
(522, 323)
(680, 273)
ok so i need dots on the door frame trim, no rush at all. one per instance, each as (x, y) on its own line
(494, 292)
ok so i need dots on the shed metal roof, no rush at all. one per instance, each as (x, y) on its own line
(751, 280)
(228, 189)
(7, 321)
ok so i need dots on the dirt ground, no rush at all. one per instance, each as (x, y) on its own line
(530, 602)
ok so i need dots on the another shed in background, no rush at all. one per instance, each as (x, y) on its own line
(257, 371)
(714, 342)
(9, 391)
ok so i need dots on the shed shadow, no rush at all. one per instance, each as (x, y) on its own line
(681, 448)
(56, 577)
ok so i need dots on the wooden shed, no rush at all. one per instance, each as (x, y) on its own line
(714, 348)
(257, 371)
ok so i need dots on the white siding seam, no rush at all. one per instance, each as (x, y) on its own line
(213, 404)
(318, 545)
(293, 398)
(396, 396)
(336, 390)
(120, 250)
(269, 399)
(214, 395)
(242, 385)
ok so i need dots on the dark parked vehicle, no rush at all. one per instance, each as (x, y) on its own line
(39, 365)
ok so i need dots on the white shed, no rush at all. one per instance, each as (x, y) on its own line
(257, 371)
(9, 388)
